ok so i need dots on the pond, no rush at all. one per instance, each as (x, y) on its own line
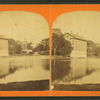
(76, 71)
(24, 68)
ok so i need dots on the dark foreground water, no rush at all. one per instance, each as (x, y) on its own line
(18, 72)
(76, 72)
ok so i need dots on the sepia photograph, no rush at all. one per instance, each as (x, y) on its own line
(76, 52)
(24, 51)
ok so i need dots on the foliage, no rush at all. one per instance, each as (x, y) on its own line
(96, 49)
(39, 47)
(29, 46)
(63, 46)
(93, 49)
(90, 46)
(45, 42)
(43, 45)
(19, 47)
(11, 43)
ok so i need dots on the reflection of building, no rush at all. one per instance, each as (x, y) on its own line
(3, 46)
(79, 45)
(78, 69)
(4, 67)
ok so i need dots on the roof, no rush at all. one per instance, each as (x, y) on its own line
(75, 36)
(2, 37)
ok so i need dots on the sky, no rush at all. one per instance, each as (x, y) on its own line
(21, 25)
(83, 23)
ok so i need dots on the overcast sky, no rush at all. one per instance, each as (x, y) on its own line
(85, 23)
(22, 25)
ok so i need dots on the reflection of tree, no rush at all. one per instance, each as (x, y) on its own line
(46, 65)
(11, 71)
(60, 69)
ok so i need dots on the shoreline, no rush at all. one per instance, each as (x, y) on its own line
(26, 86)
(61, 57)
(74, 87)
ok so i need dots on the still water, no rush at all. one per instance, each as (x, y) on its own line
(24, 68)
(76, 71)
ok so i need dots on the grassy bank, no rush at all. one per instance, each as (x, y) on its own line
(26, 86)
(84, 87)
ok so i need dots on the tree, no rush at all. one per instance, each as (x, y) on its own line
(63, 46)
(42, 46)
(11, 43)
(45, 42)
(93, 49)
(15, 47)
(39, 47)
(96, 49)
(90, 46)
(18, 47)
(30, 45)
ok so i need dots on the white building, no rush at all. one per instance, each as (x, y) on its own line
(78, 43)
(3, 46)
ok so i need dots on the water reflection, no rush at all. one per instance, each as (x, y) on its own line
(23, 68)
(76, 71)
(4, 67)
(59, 69)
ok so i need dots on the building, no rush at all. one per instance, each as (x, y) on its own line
(78, 43)
(3, 46)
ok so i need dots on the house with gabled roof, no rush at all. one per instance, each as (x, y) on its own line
(3, 46)
(79, 45)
